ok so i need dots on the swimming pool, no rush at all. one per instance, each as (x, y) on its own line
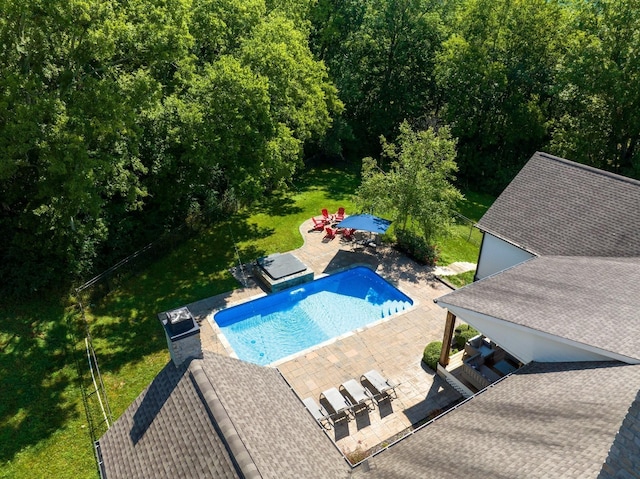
(276, 326)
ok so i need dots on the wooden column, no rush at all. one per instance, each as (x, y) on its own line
(447, 339)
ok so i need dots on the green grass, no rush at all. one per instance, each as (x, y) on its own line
(462, 279)
(463, 242)
(475, 205)
(43, 428)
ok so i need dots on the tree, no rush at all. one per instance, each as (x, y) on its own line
(418, 185)
(381, 55)
(68, 138)
(497, 71)
(600, 91)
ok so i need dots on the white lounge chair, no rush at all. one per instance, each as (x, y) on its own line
(338, 406)
(379, 386)
(319, 413)
(359, 397)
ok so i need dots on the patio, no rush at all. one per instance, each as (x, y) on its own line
(392, 347)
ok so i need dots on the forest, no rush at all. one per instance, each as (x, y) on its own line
(123, 119)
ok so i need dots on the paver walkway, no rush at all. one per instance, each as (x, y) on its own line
(394, 347)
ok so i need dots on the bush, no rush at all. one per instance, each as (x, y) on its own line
(416, 247)
(464, 333)
(431, 354)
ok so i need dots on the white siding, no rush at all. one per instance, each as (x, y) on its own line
(497, 255)
(528, 345)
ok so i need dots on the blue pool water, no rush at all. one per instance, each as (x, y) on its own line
(276, 326)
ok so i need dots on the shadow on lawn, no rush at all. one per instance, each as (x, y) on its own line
(340, 185)
(35, 376)
(279, 204)
(125, 327)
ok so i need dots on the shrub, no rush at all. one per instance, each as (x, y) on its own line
(416, 247)
(464, 333)
(431, 354)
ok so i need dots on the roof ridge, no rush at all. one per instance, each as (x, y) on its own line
(588, 168)
(239, 452)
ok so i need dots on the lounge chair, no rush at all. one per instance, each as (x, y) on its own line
(338, 406)
(319, 413)
(357, 395)
(339, 216)
(318, 225)
(331, 233)
(380, 387)
(326, 216)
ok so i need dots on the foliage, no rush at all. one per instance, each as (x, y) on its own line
(599, 92)
(381, 54)
(120, 120)
(416, 247)
(418, 183)
(431, 354)
(463, 333)
(497, 73)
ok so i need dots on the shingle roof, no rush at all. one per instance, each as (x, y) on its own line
(593, 301)
(169, 432)
(558, 207)
(548, 420)
(271, 420)
(624, 456)
(165, 433)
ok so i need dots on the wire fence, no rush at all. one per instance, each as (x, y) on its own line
(467, 229)
(94, 394)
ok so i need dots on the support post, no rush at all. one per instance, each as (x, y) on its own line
(447, 339)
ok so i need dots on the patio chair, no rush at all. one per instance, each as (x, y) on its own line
(319, 413)
(318, 225)
(339, 216)
(357, 395)
(326, 216)
(379, 386)
(331, 233)
(347, 233)
(338, 406)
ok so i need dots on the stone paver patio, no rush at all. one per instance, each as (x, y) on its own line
(393, 347)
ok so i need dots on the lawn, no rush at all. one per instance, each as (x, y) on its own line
(43, 427)
(463, 241)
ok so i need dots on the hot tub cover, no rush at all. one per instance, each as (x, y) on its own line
(279, 266)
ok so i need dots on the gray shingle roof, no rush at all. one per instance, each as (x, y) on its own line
(168, 431)
(271, 420)
(165, 433)
(549, 420)
(624, 456)
(594, 301)
(558, 207)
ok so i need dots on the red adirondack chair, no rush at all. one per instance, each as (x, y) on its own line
(318, 225)
(347, 233)
(339, 216)
(331, 233)
(327, 217)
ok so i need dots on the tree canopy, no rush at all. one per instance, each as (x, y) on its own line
(417, 185)
(120, 119)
